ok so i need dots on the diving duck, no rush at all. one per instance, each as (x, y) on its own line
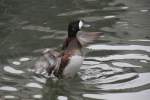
(66, 64)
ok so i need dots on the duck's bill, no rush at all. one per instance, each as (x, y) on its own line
(86, 25)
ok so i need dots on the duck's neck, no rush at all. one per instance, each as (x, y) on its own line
(71, 42)
(67, 41)
(72, 34)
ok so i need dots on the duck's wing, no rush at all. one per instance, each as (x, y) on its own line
(46, 63)
(88, 37)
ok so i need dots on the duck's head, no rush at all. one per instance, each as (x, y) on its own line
(76, 26)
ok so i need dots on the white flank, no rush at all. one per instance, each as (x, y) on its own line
(73, 67)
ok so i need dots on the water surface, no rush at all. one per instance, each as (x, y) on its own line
(116, 68)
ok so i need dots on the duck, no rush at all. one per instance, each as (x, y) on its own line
(67, 62)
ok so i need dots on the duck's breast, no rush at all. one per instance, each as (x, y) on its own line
(73, 66)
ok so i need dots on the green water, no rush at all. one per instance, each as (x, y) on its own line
(117, 68)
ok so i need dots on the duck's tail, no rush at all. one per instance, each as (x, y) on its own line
(46, 64)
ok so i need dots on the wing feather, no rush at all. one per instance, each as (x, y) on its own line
(46, 63)
(88, 37)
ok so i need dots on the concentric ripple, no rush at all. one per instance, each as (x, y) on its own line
(116, 68)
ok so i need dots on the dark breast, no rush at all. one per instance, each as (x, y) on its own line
(70, 47)
(71, 43)
(65, 57)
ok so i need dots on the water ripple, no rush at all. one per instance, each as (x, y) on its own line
(101, 66)
(123, 56)
(110, 16)
(92, 18)
(41, 80)
(97, 18)
(123, 64)
(144, 10)
(114, 78)
(142, 95)
(8, 88)
(9, 97)
(142, 40)
(114, 71)
(23, 59)
(37, 28)
(77, 12)
(37, 96)
(115, 8)
(34, 85)
(97, 71)
(16, 62)
(12, 70)
(120, 47)
(62, 98)
(143, 79)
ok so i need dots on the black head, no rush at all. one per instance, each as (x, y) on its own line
(74, 27)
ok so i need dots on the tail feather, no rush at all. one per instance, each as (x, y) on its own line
(46, 64)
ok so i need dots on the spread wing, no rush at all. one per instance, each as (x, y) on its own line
(88, 37)
(45, 64)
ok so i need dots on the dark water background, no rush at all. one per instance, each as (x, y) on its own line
(117, 68)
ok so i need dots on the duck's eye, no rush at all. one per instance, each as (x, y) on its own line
(80, 24)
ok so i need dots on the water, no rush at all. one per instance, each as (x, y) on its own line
(117, 68)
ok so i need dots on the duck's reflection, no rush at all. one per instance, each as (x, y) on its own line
(62, 89)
